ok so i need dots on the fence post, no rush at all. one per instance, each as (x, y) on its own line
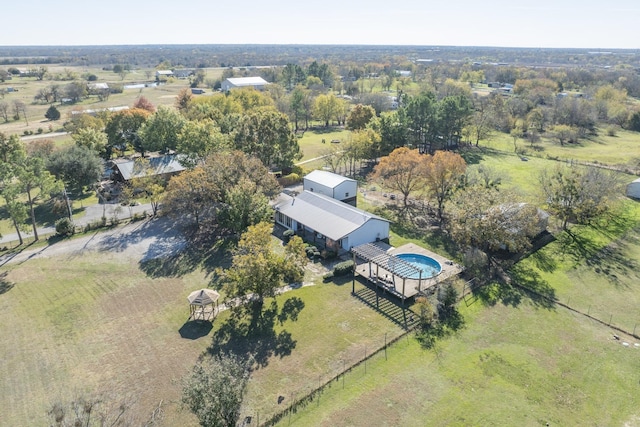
(589, 311)
(634, 329)
(343, 372)
(365, 359)
(385, 346)
(610, 318)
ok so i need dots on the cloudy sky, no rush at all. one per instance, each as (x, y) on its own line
(508, 23)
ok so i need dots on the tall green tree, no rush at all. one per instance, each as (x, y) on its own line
(161, 130)
(215, 389)
(76, 166)
(422, 121)
(198, 139)
(122, 130)
(93, 139)
(256, 270)
(36, 181)
(245, 206)
(267, 135)
(578, 194)
(327, 108)
(360, 116)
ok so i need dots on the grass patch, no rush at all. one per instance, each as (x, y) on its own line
(494, 371)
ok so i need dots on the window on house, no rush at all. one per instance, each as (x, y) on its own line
(346, 194)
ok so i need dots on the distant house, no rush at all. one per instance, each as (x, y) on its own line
(183, 73)
(336, 225)
(97, 88)
(333, 185)
(123, 170)
(404, 73)
(633, 189)
(163, 74)
(233, 83)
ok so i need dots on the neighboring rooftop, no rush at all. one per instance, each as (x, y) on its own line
(247, 81)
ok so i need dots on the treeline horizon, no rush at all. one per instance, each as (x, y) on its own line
(244, 55)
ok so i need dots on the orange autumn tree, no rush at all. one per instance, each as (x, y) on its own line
(403, 170)
(444, 172)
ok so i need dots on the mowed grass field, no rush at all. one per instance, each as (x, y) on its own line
(89, 323)
(512, 365)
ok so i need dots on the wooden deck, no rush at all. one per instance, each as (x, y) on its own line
(406, 288)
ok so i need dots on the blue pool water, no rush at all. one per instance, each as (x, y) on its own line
(429, 266)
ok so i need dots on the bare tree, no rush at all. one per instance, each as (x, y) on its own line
(20, 108)
(4, 111)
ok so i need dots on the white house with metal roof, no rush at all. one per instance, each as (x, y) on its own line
(337, 225)
(333, 185)
(239, 82)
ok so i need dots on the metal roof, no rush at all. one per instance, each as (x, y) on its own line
(247, 81)
(325, 215)
(157, 166)
(371, 252)
(328, 179)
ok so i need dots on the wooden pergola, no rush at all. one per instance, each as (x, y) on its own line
(376, 256)
(199, 302)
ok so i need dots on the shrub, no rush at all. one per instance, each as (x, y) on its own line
(328, 254)
(64, 227)
(287, 235)
(40, 130)
(343, 268)
(292, 178)
(327, 276)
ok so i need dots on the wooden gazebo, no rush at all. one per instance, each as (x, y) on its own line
(203, 304)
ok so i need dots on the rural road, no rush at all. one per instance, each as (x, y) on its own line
(92, 213)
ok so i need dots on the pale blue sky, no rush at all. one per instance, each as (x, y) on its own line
(542, 23)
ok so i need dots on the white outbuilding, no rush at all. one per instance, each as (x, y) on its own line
(633, 189)
(331, 184)
(257, 83)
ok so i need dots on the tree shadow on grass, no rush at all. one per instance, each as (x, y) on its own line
(5, 285)
(189, 259)
(250, 332)
(523, 283)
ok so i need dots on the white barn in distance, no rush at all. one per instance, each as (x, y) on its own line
(332, 185)
(257, 83)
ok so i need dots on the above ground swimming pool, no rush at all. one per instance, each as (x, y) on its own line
(429, 266)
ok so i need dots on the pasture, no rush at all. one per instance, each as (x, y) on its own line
(88, 323)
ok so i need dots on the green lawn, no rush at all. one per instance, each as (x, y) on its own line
(95, 322)
(623, 149)
(311, 143)
(512, 365)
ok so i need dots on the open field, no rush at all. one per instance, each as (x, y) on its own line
(27, 87)
(89, 322)
(620, 150)
(515, 363)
